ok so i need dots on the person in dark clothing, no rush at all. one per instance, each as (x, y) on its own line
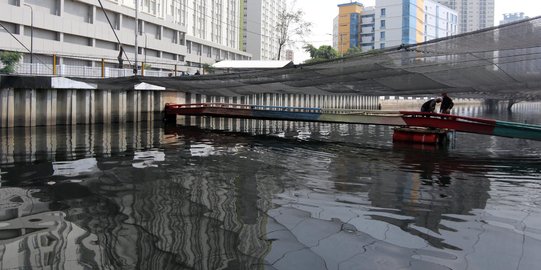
(197, 72)
(119, 58)
(446, 104)
(430, 106)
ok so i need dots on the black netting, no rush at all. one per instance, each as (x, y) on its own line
(501, 62)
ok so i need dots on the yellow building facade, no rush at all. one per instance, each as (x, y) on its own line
(349, 15)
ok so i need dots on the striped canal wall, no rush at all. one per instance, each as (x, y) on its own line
(68, 106)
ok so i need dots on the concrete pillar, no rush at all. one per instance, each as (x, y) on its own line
(132, 105)
(41, 107)
(51, 107)
(24, 101)
(74, 108)
(158, 107)
(7, 107)
(61, 107)
(99, 106)
(31, 107)
(116, 110)
(81, 114)
(150, 106)
(91, 106)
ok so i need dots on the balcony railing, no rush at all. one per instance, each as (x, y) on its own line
(39, 69)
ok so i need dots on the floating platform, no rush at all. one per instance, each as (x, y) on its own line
(420, 135)
(409, 119)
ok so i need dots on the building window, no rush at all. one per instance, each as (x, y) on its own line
(14, 2)
(382, 24)
(382, 36)
(382, 45)
(383, 12)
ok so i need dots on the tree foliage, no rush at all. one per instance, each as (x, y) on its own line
(209, 69)
(291, 25)
(9, 59)
(324, 52)
(353, 51)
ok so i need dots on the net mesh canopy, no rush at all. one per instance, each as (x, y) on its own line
(502, 62)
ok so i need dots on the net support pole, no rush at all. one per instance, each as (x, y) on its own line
(54, 64)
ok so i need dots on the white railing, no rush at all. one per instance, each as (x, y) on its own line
(84, 71)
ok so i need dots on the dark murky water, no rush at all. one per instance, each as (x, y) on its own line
(232, 194)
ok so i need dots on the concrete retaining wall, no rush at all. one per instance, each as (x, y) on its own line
(401, 103)
(50, 107)
(46, 107)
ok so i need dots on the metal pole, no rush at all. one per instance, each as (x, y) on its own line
(136, 33)
(341, 44)
(145, 47)
(31, 37)
(54, 64)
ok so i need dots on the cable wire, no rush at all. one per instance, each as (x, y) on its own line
(114, 32)
(22, 44)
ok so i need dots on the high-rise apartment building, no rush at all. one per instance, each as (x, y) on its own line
(472, 14)
(186, 33)
(259, 25)
(348, 25)
(513, 17)
(392, 23)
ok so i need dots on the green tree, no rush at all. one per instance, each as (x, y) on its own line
(324, 52)
(209, 69)
(291, 25)
(9, 59)
(309, 48)
(353, 51)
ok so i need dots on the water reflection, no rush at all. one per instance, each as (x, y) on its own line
(247, 194)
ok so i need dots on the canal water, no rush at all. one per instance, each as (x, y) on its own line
(214, 193)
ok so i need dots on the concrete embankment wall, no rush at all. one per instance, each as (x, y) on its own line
(70, 103)
(42, 107)
(414, 104)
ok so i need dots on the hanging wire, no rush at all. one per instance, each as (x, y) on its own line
(22, 44)
(114, 32)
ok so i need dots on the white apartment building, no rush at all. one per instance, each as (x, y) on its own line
(259, 26)
(408, 22)
(472, 14)
(513, 17)
(182, 33)
(335, 32)
(391, 23)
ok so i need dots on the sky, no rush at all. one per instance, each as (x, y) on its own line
(322, 12)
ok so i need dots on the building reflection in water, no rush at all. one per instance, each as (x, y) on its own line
(145, 196)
